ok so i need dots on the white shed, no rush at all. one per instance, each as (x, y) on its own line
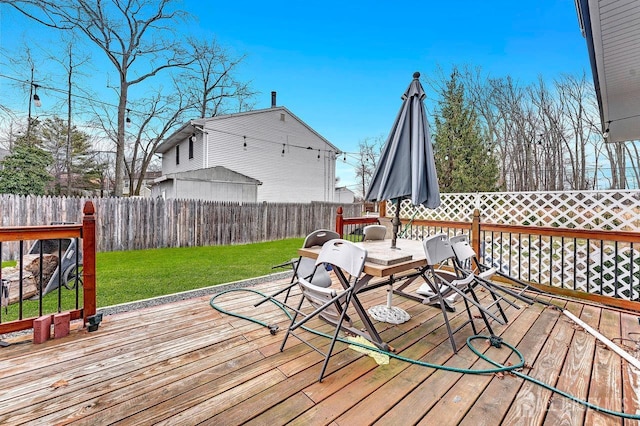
(213, 184)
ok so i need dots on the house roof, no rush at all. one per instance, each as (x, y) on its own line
(189, 127)
(612, 31)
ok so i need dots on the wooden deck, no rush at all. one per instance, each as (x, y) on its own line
(185, 363)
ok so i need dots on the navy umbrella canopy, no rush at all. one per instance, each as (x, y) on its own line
(406, 168)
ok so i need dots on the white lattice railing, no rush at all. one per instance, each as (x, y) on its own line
(599, 210)
(604, 265)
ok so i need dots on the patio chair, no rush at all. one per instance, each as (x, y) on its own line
(347, 260)
(387, 312)
(374, 232)
(306, 267)
(443, 284)
(467, 262)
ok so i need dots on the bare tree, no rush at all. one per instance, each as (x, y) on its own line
(211, 80)
(368, 154)
(161, 114)
(129, 32)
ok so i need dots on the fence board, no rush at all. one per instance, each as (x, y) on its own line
(140, 223)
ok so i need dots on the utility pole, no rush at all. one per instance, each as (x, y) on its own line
(33, 97)
(68, 158)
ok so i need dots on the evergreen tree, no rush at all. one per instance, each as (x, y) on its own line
(73, 169)
(464, 161)
(24, 172)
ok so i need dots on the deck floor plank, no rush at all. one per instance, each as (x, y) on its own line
(630, 328)
(454, 405)
(497, 398)
(186, 363)
(606, 386)
(532, 401)
(576, 372)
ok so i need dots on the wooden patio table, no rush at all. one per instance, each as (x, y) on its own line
(382, 262)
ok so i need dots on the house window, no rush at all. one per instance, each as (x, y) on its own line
(191, 147)
(177, 154)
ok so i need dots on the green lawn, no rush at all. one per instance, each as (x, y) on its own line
(134, 275)
(128, 276)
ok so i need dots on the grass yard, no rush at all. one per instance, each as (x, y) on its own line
(134, 275)
(128, 276)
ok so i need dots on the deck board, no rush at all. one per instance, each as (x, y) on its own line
(186, 363)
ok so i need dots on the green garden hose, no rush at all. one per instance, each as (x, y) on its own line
(494, 341)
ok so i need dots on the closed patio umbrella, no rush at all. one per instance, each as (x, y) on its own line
(406, 168)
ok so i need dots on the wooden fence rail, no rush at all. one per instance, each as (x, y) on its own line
(84, 234)
(141, 223)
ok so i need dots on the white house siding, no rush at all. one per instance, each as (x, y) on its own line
(344, 195)
(169, 165)
(216, 191)
(296, 176)
(212, 184)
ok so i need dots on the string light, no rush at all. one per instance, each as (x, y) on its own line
(283, 145)
(318, 155)
(606, 132)
(128, 119)
(245, 143)
(36, 98)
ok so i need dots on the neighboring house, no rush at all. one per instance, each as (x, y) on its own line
(344, 195)
(147, 182)
(271, 149)
(3, 153)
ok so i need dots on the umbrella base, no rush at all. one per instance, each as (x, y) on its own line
(392, 315)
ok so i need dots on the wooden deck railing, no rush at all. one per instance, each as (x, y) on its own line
(21, 315)
(602, 266)
(350, 228)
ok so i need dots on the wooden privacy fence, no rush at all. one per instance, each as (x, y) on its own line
(141, 223)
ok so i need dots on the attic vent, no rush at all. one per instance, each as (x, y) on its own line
(281, 116)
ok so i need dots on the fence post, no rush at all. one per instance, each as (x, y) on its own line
(89, 260)
(475, 232)
(382, 208)
(339, 221)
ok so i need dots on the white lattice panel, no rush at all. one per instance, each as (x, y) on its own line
(453, 207)
(603, 210)
(570, 264)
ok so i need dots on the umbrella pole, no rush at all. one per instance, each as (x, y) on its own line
(396, 224)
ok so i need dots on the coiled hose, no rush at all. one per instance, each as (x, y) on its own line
(492, 340)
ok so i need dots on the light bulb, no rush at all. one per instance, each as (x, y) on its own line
(36, 100)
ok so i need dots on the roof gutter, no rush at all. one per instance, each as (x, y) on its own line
(584, 19)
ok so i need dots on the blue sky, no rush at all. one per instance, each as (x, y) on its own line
(341, 66)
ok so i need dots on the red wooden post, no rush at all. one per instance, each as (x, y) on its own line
(339, 221)
(475, 232)
(89, 260)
